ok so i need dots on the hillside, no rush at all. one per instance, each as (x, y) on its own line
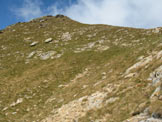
(54, 69)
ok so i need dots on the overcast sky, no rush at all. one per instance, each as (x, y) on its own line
(130, 13)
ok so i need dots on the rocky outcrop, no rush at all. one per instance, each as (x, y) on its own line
(77, 108)
(97, 46)
(66, 36)
(155, 95)
(141, 63)
(142, 118)
(59, 16)
(47, 55)
(156, 78)
(43, 55)
(156, 30)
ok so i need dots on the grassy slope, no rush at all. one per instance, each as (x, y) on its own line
(18, 79)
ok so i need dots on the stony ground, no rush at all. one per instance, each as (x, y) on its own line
(54, 69)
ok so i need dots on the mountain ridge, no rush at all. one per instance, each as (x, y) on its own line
(56, 69)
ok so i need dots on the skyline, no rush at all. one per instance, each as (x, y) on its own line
(134, 13)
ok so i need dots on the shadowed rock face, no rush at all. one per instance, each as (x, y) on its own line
(59, 16)
(54, 69)
(157, 115)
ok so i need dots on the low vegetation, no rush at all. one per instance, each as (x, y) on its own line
(56, 69)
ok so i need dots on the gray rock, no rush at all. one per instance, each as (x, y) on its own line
(42, 20)
(146, 111)
(27, 39)
(66, 36)
(20, 100)
(33, 44)
(48, 40)
(151, 120)
(47, 55)
(31, 54)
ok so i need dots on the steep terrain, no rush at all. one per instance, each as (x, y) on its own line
(54, 69)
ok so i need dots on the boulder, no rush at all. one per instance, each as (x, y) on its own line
(20, 100)
(28, 39)
(48, 40)
(33, 44)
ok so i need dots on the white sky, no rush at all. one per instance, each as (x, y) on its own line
(131, 13)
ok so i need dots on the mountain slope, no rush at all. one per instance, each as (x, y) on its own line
(56, 69)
